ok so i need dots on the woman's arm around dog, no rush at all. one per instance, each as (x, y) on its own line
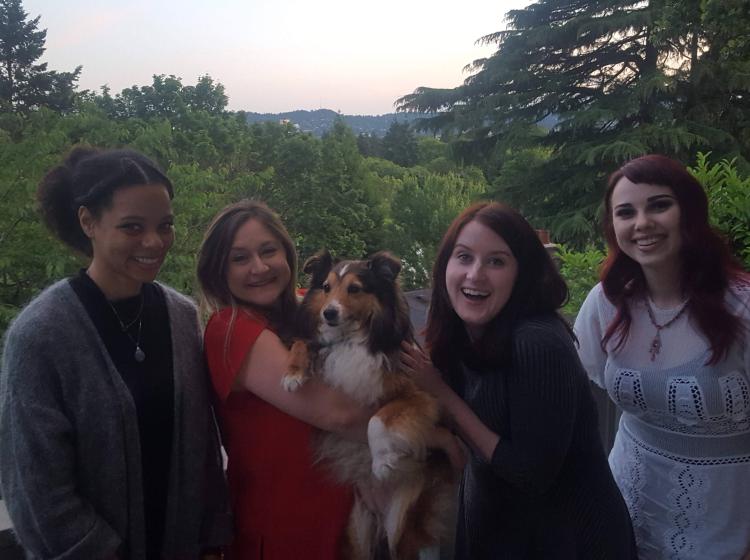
(463, 420)
(314, 403)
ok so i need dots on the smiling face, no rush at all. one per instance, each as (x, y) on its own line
(130, 239)
(646, 221)
(479, 276)
(257, 271)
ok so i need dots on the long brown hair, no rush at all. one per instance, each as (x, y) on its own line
(707, 265)
(538, 289)
(213, 259)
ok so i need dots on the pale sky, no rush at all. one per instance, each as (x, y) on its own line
(274, 55)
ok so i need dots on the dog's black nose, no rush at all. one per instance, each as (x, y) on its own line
(331, 313)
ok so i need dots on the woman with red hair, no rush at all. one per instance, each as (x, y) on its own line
(667, 333)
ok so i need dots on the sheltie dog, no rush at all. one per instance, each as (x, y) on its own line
(356, 317)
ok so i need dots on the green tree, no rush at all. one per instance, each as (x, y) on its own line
(166, 97)
(323, 191)
(24, 84)
(206, 95)
(429, 149)
(620, 78)
(422, 206)
(369, 145)
(581, 272)
(400, 144)
(728, 202)
(29, 258)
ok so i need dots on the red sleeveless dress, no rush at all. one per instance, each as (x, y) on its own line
(285, 507)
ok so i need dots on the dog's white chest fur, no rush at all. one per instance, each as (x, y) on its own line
(350, 366)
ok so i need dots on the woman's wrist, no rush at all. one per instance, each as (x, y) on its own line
(436, 385)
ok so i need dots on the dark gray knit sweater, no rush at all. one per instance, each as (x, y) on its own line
(548, 492)
(70, 464)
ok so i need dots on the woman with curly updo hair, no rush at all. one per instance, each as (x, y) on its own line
(108, 447)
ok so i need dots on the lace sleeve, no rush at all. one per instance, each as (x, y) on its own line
(589, 328)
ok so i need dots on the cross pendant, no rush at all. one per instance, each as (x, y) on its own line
(655, 346)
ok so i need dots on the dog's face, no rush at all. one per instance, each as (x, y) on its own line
(362, 297)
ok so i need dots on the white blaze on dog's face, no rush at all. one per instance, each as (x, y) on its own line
(344, 304)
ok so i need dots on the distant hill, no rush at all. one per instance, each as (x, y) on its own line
(319, 121)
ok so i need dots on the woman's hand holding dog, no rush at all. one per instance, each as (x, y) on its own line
(466, 424)
(442, 438)
(418, 365)
(415, 362)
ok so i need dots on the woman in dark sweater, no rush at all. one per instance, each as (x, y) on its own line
(108, 445)
(537, 484)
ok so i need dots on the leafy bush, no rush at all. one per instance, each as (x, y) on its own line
(729, 202)
(581, 272)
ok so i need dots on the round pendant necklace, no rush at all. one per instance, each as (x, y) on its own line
(139, 355)
(655, 347)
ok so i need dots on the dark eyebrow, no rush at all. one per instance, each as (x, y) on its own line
(458, 246)
(271, 243)
(659, 197)
(142, 218)
(498, 252)
(501, 252)
(650, 199)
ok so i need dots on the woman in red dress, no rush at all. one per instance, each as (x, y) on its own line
(285, 505)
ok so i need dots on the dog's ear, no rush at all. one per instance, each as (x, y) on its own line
(318, 266)
(385, 266)
(391, 325)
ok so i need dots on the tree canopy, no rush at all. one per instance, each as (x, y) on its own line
(340, 193)
(328, 194)
(619, 78)
(24, 84)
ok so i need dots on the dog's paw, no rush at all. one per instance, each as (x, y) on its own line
(387, 449)
(293, 381)
(385, 464)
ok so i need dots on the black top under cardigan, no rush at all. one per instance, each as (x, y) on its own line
(150, 383)
(548, 492)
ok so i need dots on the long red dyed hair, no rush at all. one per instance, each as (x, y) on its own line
(707, 265)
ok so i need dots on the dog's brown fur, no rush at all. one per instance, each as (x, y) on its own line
(356, 317)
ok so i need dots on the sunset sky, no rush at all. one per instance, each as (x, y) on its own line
(273, 56)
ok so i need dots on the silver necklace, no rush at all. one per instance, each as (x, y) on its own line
(139, 355)
(655, 347)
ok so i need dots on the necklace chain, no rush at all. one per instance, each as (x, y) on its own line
(655, 347)
(139, 355)
(137, 317)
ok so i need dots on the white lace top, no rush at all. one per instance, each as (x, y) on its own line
(682, 452)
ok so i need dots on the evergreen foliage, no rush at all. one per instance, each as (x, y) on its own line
(400, 144)
(604, 98)
(622, 77)
(24, 84)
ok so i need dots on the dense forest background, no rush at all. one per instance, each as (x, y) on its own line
(574, 89)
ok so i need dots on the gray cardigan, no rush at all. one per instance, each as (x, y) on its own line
(70, 465)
